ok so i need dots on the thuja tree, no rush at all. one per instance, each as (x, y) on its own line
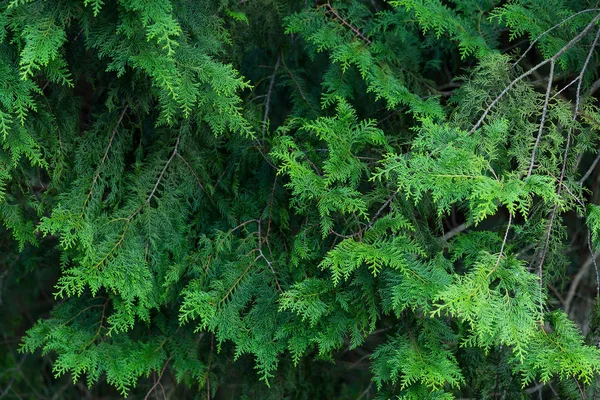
(330, 199)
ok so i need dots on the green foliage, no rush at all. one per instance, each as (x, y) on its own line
(280, 199)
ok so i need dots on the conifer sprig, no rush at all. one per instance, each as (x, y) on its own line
(226, 194)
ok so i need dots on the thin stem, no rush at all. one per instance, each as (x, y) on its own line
(383, 207)
(455, 231)
(551, 29)
(262, 255)
(163, 171)
(268, 102)
(593, 257)
(565, 48)
(159, 378)
(504, 240)
(330, 9)
(97, 174)
(565, 156)
(192, 171)
(544, 112)
(590, 169)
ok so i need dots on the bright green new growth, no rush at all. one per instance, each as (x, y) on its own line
(207, 209)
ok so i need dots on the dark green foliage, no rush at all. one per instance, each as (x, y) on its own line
(282, 199)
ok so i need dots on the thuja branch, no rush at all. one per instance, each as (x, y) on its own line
(566, 152)
(551, 29)
(136, 212)
(100, 324)
(97, 174)
(552, 59)
(368, 226)
(299, 87)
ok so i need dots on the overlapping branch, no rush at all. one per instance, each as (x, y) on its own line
(518, 79)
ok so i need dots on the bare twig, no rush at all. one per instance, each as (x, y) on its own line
(365, 393)
(551, 29)
(590, 169)
(269, 92)
(330, 9)
(504, 240)
(558, 94)
(100, 324)
(577, 279)
(593, 258)
(454, 231)
(158, 380)
(208, 391)
(552, 59)
(192, 171)
(544, 112)
(371, 222)
(583, 69)
(566, 152)
(8, 387)
(595, 86)
(583, 396)
(242, 224)
(383, 207)
(262, 255)
(163, 171)
(271, 199)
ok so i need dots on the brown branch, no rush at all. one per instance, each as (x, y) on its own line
(343, 236)
(242, 224)
(585, 65)
(558, 94)
(208, 367)
(595, 86)
(270, 214)
(590, 169)
(371, 222)
(383, 207)
(159, 378)
(100, 324)
(258, 147)
(593, 258)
